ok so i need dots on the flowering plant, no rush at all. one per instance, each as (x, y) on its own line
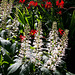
(31, 41)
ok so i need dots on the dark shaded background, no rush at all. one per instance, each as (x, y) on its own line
(67, 18)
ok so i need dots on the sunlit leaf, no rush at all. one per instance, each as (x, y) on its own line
(13, 48)
(32, 47)
(15, 66)
(69, 73)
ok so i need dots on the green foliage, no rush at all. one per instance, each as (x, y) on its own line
(15, 66)
(1, 60)
(69, 73)
(23, 16)
(72, 25)
(32, 47)
(11, 48)
(45, 71)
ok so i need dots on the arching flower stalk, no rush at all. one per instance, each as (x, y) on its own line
(56, 48)
(53, 37)
(64, 38)
(13, 27)
(10, 6)
(37, 40)
(25, 45)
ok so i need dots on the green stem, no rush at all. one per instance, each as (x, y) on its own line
(33, 19)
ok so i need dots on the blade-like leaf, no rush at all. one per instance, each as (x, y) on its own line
(5, 44)
(13, 48)
(15, 66)
(45, 71)
(69, 73)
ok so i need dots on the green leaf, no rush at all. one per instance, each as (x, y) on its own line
(11, 17)
(15, 66)
(3, 33)
(25, 69)
(21, 31)
(13, 48)
(32, 47)
(41, 7)
(27, 10)
(20, 16)
(72, 25)
(5, 62)
(56, 72)
(45, 71)
(5, 44)
(27, 20)
(6, 57)
(1, 59)
(69, 73)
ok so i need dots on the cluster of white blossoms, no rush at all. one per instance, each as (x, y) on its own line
(56, 47)
(5, 8)
(48, 57)
(13, 27)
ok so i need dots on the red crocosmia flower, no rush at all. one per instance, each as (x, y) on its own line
(22, 38)
(35, 4)
(31, 3)
(21, 1)
(28, 7)
(57, 3)
(60, 31)
(42, 5)
(61, 4)
(33, 32)
(48, 5)
(60, 12)
(44, 0)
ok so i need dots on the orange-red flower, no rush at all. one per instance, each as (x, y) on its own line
(32, 3)
(42, 5)
(61, 4)
(28, 7)
(33, 32)
(48, 5)
(60, 31)
(35, 4)
(22, 38)
(57, 2)
(21, 1)
(60, 12)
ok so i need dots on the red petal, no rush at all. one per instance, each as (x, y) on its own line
(57, 2)
(42, 5)
(35, 4)
(23, 1)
